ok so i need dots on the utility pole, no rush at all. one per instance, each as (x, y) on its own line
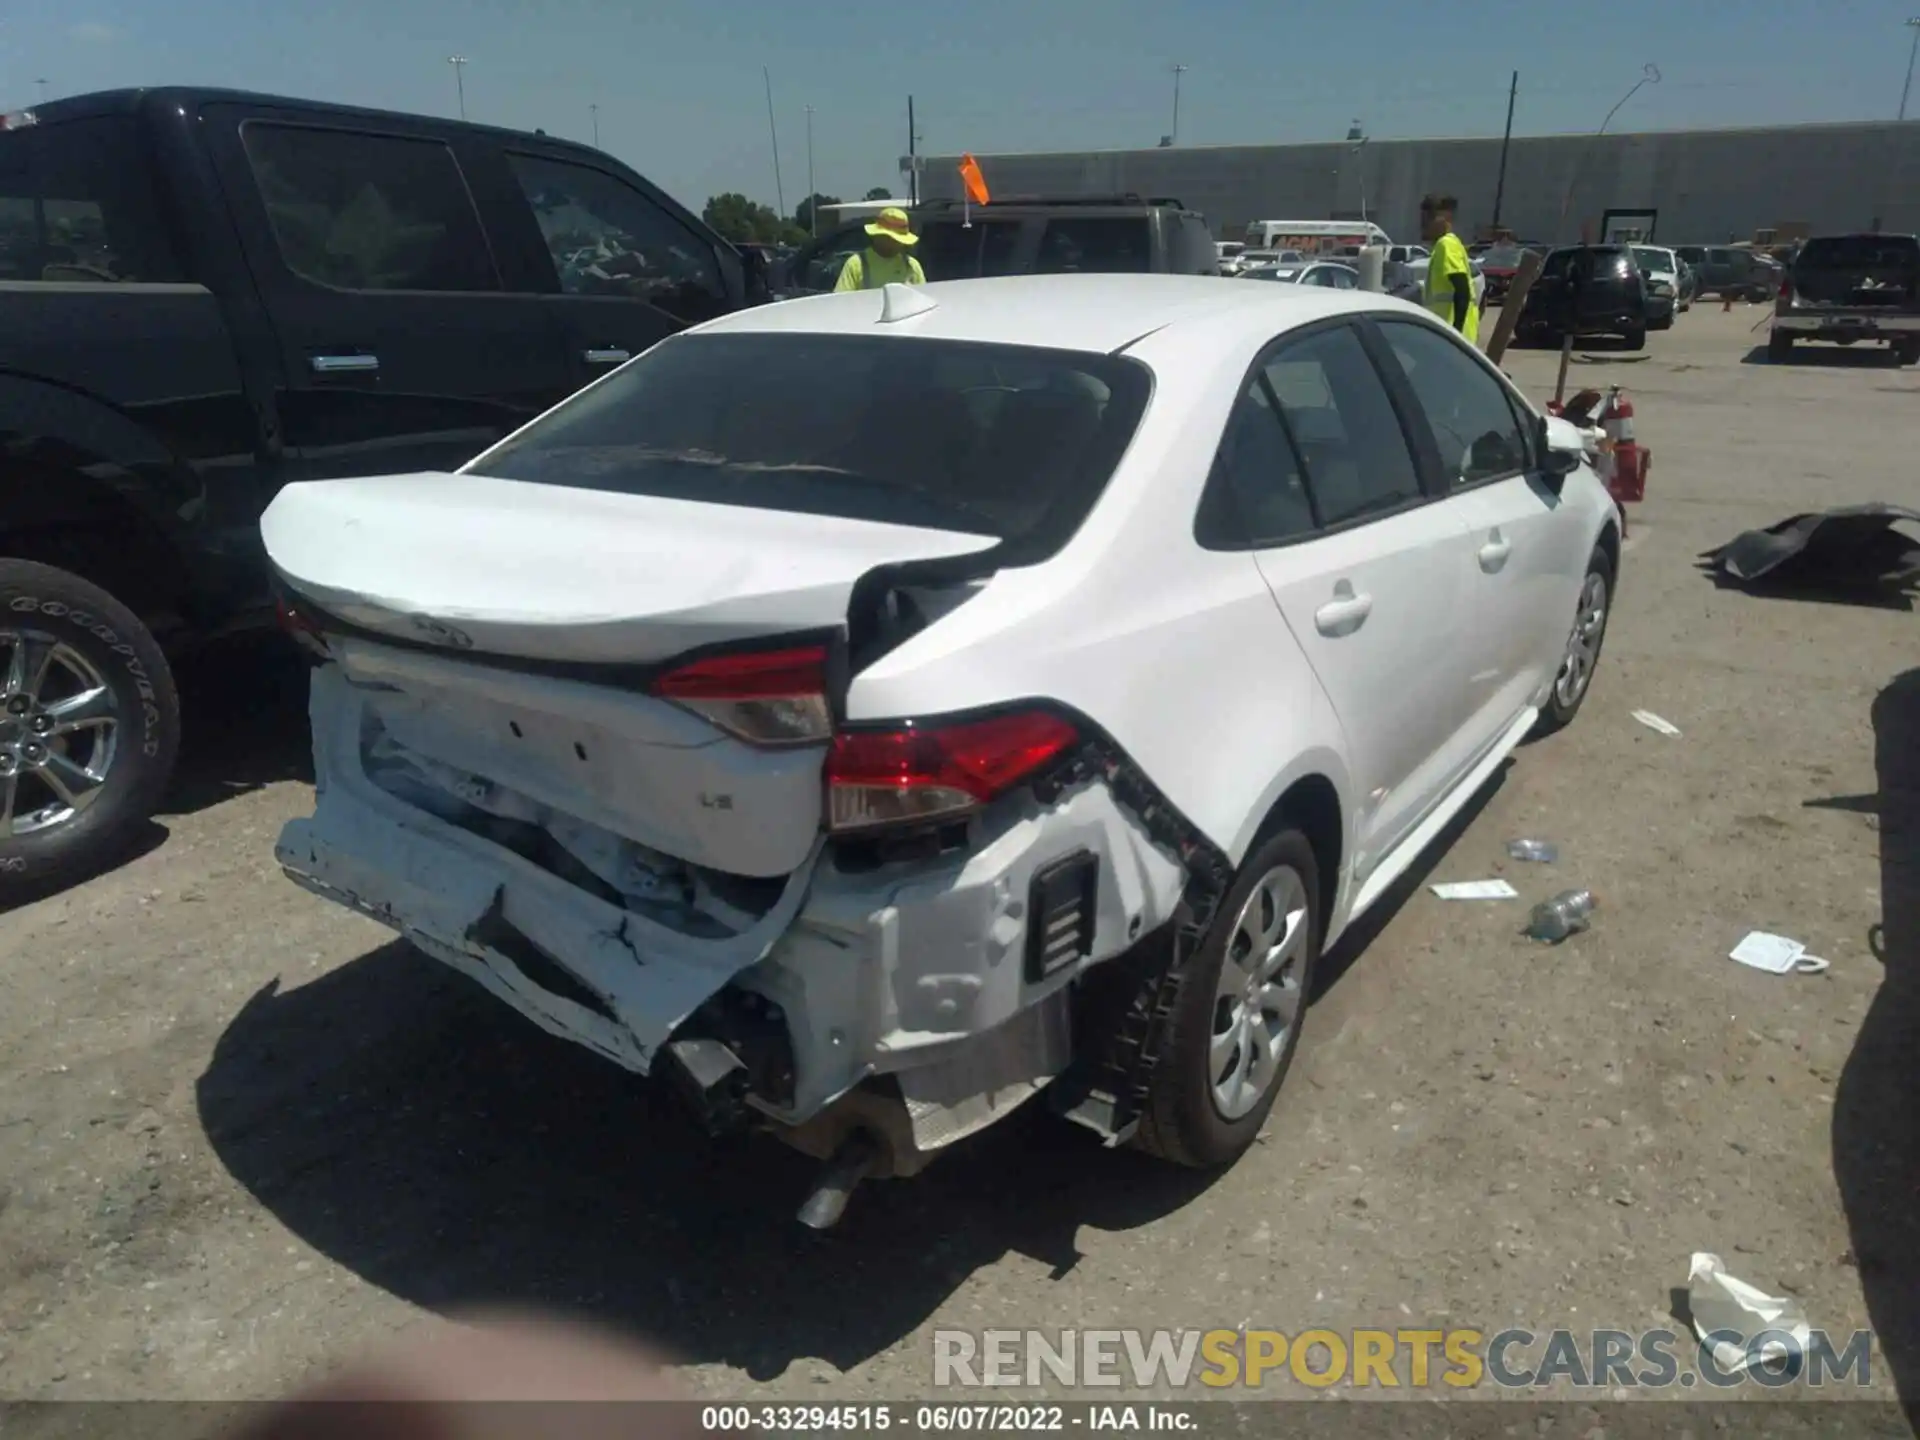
(459, 63)
(813, 195)
(594, 111)
(42, 84)
(1178, 71)
(1500, 185)
(1913, 24)
(779, 190)
(913, 157)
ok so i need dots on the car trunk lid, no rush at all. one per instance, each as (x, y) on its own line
(509, 637)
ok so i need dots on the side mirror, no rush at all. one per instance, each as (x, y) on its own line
(1562, 448)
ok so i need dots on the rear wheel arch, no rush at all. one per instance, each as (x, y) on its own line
(1311, 805)
(1609, 541)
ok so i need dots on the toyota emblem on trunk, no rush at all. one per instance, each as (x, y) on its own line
(441, 632)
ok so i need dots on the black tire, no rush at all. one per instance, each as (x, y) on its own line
(1779, 347)
(1183, 1122)
(88, 630)
(1907, 352)
(1559, 710)
(1637, 338)
(1662, 324)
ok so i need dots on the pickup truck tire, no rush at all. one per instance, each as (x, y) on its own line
(89, 727)
(1637, 338)
(1906, 352)
(1779, 346)
(1272, 909)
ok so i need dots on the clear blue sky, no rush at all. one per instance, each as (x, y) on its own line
(678, 82)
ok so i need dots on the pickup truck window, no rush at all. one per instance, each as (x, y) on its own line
(607, 238)
(369, 212)
(77, 205)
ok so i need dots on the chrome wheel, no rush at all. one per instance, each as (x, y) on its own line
(1583, 645)
(59, 726)
(1257, 1002)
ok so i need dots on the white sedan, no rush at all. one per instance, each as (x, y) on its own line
(1015, 688)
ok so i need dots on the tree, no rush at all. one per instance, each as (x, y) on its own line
(744, 221)
(803, 216)
(879, 192)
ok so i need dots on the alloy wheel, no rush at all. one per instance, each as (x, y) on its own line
(1257, 1001)
(59, 728)
(1583, 645)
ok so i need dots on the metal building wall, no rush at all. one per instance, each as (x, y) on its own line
(1708, 185)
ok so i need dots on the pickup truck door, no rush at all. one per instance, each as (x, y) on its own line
(404, 347)
(620, 267)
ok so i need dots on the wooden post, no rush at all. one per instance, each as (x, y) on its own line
(1523, 278)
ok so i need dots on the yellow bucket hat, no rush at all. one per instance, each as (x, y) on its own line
(892, 223)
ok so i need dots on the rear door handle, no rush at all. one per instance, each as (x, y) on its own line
(345, 364)
(1494, 553)
(1343, 614)
(606, 357)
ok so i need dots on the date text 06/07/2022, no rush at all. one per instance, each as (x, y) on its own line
(943, 1417)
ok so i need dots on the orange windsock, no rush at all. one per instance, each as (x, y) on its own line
(975, 182)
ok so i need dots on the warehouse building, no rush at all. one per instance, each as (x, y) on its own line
(1707, 186)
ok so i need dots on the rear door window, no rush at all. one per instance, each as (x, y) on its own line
(77, 204)
(606, 238)
(1343, 426)
(954, 250)
(369, 212)
(1095, 245)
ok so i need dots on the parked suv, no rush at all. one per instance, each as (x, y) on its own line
(1121, 234)
(1586, 290)
(208, 294)
(1849, 288)
(1727, 271)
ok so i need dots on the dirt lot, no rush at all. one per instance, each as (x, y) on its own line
(242, 1133)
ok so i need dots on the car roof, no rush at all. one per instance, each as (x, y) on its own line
(1101, 313)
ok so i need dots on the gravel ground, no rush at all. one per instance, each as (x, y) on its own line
(242, 1133)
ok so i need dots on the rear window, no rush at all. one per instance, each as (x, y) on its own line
(999, 440)
(1832, 252)
(1650, 259)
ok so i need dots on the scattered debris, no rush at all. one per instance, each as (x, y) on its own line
(1476, 890)
(1721, 1304)
(1776, 954)
(1849, 547)
(1565, 914)
(1544, 851)
(1654, 722)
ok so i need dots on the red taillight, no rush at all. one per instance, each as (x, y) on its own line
(886, 777)
(766, 697)
(1786, 287)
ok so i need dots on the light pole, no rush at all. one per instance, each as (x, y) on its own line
(42, 84)
(594, 111)
(1360, 151)
(1174, 135)
(813, 197)
(1912, 24)
(1649, 75)
(459, 63)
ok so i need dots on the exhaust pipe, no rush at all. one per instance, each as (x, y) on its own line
(851, 1164)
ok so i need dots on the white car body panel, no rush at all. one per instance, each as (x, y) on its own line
(1214, 673)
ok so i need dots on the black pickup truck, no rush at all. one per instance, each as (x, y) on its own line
(205, 295)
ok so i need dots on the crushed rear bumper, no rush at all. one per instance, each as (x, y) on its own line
(920, 970)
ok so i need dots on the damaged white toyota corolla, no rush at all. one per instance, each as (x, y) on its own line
(872, 710)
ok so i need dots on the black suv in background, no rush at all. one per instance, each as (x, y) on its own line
(1099, 234)
(205, 295)
(1586, 290)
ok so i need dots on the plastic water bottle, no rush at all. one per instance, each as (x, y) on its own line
(1565, 914)
(1544, 851)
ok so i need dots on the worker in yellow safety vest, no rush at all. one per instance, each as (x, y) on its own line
(885, 261)
(1449, 292)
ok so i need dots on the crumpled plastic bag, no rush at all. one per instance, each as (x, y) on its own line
(1719, 1301)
